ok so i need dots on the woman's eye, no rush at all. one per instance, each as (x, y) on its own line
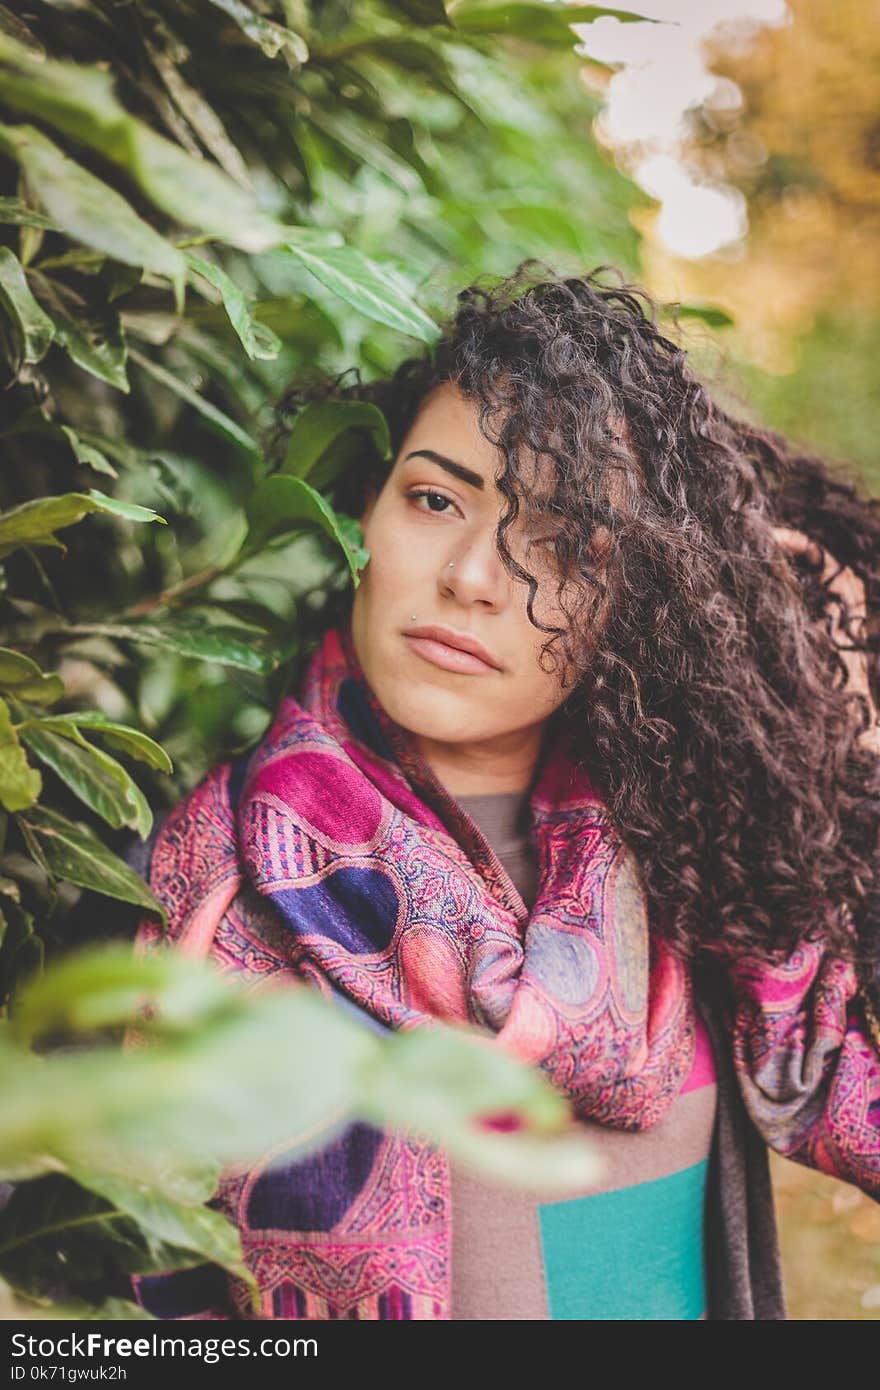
(428, 492)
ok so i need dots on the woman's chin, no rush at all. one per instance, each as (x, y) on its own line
(434, 713)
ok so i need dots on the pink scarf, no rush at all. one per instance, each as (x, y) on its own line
(385, 894)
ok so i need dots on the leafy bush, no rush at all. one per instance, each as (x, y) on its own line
(199, 202)
(195, 200)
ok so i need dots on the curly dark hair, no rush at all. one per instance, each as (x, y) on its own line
(710, 700)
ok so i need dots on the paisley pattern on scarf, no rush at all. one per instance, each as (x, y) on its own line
(808, 1070)
(332, 855)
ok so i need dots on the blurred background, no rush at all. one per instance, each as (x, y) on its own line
(202, 201)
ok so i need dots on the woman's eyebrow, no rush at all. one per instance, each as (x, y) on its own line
(458, 470)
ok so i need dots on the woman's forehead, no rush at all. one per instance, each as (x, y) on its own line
(448, 417)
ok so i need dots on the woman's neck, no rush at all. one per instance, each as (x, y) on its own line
(507, 764)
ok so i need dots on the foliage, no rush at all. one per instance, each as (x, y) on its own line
(198, 202)
(187, 225)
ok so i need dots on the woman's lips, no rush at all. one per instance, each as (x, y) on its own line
(450, 658)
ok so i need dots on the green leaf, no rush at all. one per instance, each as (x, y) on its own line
(93, 775)
(348, 131)
(272, 38)
(14, 211)
(711, 314)
(54, 1230)
(72, 851)
(312, 238)
(410, 50)
(215, 417)
(87, 454)
(369, 288)
(13, 24)
(111, 1310)
(103, 986)
(170, 56)
(85, 207)
(240, 384)
(196, 1229)
(132, 741)
(33, 878)
(116, 506)
(33, 522)
(327, 435)
(94, 341)
(20, 784)
(205, 1089)
(33, 329)
(425, 12)
(257, 340)
(119, 279)
(543, 22)
(242, 647)
(164, 1082)
(32, 421)
(281, 505)
(443, 1081)
(8, 889)
(24, 679)
(202, 1091)
(80, 102)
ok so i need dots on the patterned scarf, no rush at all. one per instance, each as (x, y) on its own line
(334, 852)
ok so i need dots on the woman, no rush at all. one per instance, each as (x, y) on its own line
(645, 864)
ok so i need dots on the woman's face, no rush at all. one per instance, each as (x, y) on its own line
(439, 505)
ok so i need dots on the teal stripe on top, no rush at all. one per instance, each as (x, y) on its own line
(634, 1253)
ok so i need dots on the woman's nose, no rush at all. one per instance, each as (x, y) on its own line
(475, 575)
